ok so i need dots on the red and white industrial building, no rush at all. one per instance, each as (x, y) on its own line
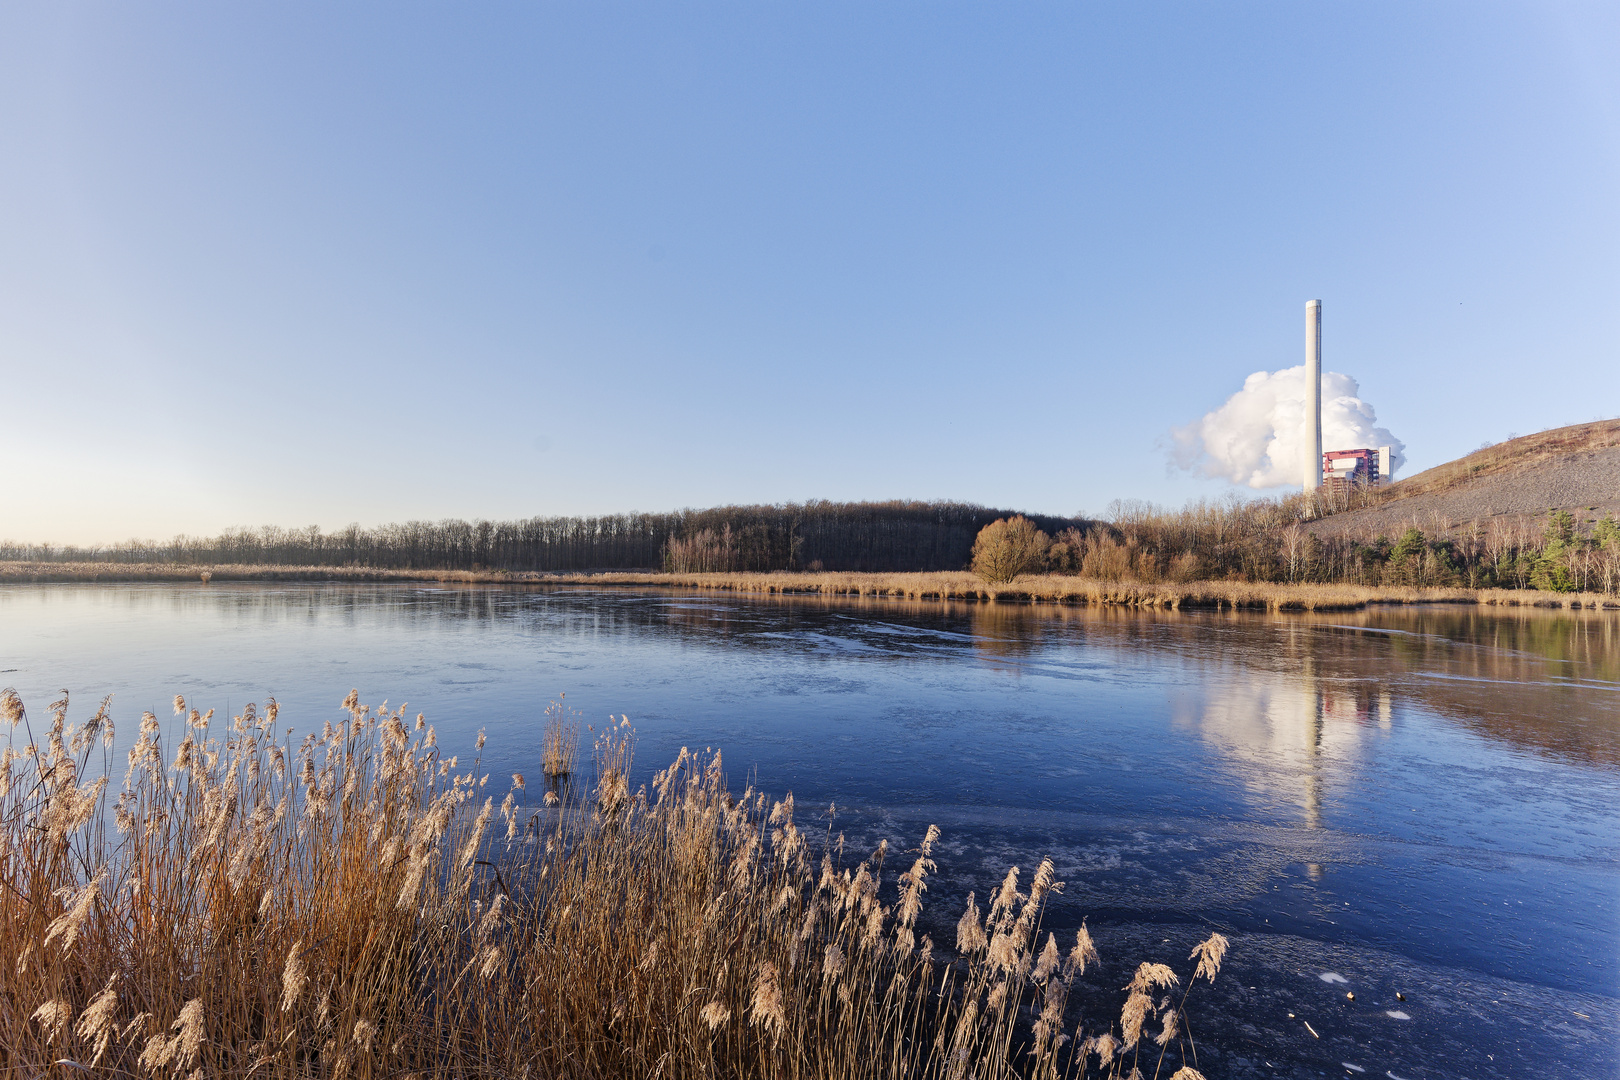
(1364, 466)
(1335, 469)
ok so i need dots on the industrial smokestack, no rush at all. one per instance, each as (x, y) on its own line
(1313, 395)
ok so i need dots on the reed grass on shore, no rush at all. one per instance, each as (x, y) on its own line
(559, 744)
(356, 904)
(960, 585)
(1068, 589)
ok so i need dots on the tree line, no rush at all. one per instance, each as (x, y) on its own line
(887, 537)
(1269, 540)
(1262, 540)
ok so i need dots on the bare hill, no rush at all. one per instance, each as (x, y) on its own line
(1573, 468)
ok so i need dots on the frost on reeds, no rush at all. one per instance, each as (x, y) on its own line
(347, 904)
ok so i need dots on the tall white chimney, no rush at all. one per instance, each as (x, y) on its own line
(1313, 395)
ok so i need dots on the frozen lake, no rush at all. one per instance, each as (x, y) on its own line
(1420, 801)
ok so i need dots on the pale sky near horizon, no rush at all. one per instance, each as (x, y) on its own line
(318, 264)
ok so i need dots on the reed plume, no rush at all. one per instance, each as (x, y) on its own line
(342, 905)
(560, 741)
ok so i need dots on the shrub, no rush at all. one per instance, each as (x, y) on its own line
(1009, 547)
(1067, 553)
(1107, 560)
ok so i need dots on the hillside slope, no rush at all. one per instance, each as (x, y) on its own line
(1573, 468)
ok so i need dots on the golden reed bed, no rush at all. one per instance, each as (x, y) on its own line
(360, 903)
(1046, 588)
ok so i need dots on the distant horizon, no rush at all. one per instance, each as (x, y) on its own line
(272, 264)
(1082, 513)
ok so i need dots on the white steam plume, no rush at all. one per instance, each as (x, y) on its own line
(1257, 437)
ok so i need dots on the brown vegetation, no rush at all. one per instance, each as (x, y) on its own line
(1278, 541)
(1068, 589)
(962, 585)
(1557, 445)
(350, 906)
(1502, 496)
(1009, 548)
(559, 744)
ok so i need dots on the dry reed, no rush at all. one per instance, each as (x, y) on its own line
(560, 743)
(1068, 589)
(923, 585)
(347, 905)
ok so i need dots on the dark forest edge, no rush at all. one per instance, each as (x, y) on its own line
(869, 536)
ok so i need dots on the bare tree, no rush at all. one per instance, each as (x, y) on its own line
(1009, 547)
(1293, 543)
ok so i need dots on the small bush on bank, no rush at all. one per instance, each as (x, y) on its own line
(1009, 547)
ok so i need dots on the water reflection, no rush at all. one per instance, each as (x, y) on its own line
(1545, 681)
(1257, 770)
(1284, 733)
(1010, 631)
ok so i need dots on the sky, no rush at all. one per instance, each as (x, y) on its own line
(302, 263)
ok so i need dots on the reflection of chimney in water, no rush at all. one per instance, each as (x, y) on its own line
(1313, 747)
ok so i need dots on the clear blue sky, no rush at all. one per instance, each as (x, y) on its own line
(322, 263)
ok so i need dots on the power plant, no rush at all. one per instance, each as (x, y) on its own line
(1355, 466)
(1338, 469)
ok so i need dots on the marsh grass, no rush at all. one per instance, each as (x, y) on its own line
(1069, 589)
(354, 903)
(922, 585)
(559, 745)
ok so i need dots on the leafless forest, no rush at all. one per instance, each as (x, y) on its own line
(1227, 540)
(882, 537)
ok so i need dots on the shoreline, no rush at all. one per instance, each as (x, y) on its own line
(920, 585)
